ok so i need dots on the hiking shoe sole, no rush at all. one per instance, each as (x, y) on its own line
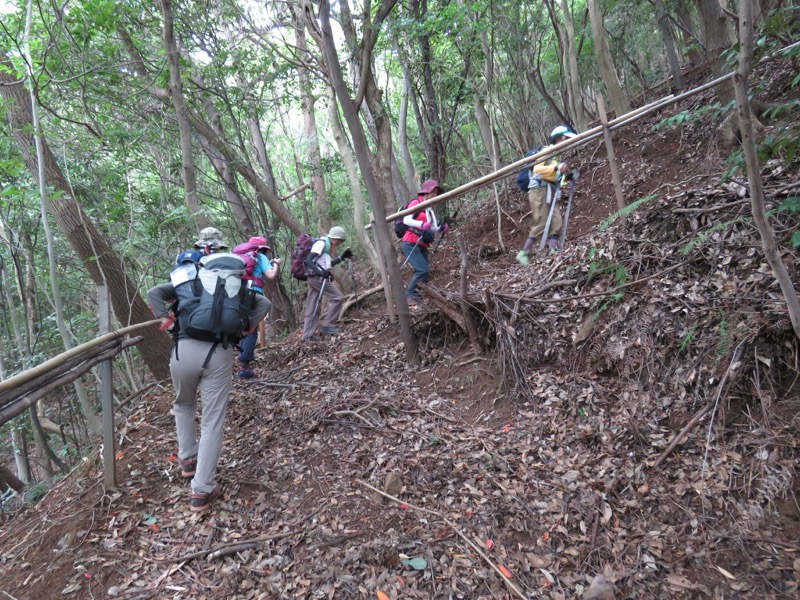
(200, 502)
(188, 467)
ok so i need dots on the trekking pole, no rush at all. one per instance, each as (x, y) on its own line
(450, 222)
(319, 298)
(353, 279)
(563, 236)
(553, 200)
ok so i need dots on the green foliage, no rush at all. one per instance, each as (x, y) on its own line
(618, 271)
(792, 204)
(703, 237)
(36, 492)
(626, 211)
(724, 342)
(688, 338)
(715, 111)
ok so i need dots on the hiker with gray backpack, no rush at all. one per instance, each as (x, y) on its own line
(545, 177)
(208, 312)
(318, 265)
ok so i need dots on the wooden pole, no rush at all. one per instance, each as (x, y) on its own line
(612, 157)
(107, 394)
(573, 143)
(19, 378)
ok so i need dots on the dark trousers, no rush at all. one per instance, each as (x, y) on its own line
(417, 256)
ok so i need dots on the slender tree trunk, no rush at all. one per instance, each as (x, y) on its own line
(176, 94)
(483, 98)
(223, 170)
(435, 144)
(410, 178)
(374, 177)
(619, 101)
(58, 304)
(352, 176)
(690, 41)
(571, 70)
(16, 326)
(100, 259)
(669, 46)
(311, 140)
(20, 449)
(745, 116)
(227, 151)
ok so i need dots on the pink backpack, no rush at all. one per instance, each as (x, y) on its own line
(249, 253)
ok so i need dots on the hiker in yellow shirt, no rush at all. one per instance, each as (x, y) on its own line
(542, 187)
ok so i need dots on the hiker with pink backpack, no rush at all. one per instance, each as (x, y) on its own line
(258, 270)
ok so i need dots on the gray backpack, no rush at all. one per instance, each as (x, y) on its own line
(218, 310)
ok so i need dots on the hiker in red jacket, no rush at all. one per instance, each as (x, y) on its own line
(422, 228)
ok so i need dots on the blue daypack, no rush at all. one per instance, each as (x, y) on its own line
(524, 176)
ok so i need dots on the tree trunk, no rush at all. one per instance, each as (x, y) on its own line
(745, 116)
(571, 70)
(99, 258)
(8, 479)
(434, 146)
(181, 114)
(20, 449)
(619, 101)
(228, 152)
(717, 41)
(374, 177)
(669, 46)
(482, 117)
(311, 140)
(352, 177)
(410, 178)
(690, 41)
(223, 170)
(21, 346)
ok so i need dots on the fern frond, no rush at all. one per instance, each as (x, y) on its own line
(626, 211)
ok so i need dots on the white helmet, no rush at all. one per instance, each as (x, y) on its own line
(561, 130)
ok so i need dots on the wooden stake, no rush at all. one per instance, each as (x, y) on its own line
(107, 394)
(612, 158)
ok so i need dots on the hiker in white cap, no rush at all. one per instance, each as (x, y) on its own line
(320, 283)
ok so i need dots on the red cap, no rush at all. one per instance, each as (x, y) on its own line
(260, 242)
(430, 185)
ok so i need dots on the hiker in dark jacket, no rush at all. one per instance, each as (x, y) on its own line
(320, 283)
(204, 367)
(544, 179)
(422, 228)
(263, 271)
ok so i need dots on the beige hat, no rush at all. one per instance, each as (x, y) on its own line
(337, 233)
(210, 237)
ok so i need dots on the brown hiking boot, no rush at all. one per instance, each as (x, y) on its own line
(200, 502)
(188, 466)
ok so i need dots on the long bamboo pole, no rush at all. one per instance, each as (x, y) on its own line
(576, 142)
(39, 369)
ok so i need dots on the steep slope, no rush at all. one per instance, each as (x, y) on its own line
(631, 413)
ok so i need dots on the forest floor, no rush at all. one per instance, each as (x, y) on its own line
(527, 462)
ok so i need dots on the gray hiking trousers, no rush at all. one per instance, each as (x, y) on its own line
(314, 305)
(214, 384)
